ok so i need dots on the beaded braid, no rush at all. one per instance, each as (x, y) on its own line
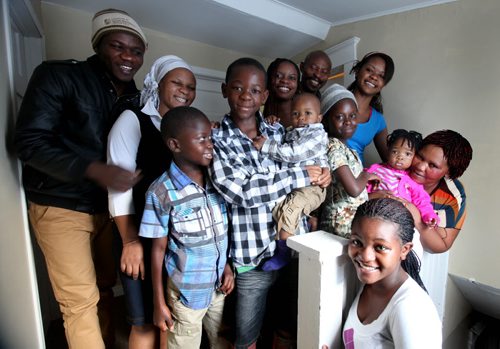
(393, 211)
(412, 266)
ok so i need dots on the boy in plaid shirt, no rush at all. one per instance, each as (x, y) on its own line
(251, 184)
(305, 143)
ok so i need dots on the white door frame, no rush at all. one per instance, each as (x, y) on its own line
(22, 47)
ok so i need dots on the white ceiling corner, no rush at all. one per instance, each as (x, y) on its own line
(282, 14)
(266, 28)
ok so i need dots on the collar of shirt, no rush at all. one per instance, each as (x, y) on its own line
(149, 109)
(229, 129)
(179, 179)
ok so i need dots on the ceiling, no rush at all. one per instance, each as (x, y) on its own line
(266, 28)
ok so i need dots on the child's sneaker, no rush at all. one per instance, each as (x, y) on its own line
(281, 257)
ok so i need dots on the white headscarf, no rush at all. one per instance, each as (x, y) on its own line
(159, 69)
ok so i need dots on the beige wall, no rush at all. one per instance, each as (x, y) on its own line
(447, 76)
(68, 33)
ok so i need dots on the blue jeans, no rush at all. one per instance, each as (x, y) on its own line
(251, 297)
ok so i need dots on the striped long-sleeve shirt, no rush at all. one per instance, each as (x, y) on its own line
(301, 147)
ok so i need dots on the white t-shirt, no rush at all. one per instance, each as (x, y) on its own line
(409, 320)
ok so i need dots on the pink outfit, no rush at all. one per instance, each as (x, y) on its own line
(402, 186)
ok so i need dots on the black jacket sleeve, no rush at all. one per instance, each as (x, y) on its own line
(41, 137)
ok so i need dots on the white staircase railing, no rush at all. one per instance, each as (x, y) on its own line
(327, 286)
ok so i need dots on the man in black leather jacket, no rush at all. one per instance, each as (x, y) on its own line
(61, 137)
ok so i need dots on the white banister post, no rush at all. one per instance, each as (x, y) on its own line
(327, 286)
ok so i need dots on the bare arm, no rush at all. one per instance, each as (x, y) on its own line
(227, 280)
(325, 178)
(434, 239)
(112, 176)
(132, 259)
(437, 239)
(380, 141)
(354, 185)
(162, 317)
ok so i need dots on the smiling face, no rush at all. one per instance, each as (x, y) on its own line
(341, 120)
(370, 77)
(284, 82)
(315, 71)
(245, 91)
(400, 155)
(376, 250)
(193, 144)
(177, 88)
(429, 166)
(122, 53)
(305, 110)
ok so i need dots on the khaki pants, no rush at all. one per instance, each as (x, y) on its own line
(188, 322)
(76, 245)
(288, 213)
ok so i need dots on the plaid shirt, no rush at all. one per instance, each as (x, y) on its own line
(301, 146)
(195, 221)
(251, 184)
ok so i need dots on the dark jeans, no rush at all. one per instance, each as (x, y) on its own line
(251, 298)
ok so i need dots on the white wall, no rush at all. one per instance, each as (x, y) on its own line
(19, 324)
(447, 76)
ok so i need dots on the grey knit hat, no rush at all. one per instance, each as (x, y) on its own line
(113, 20)
(333, 94)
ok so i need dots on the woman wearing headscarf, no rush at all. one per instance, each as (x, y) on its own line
(135, 143)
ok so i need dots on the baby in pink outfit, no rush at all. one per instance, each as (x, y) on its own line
(402, 146)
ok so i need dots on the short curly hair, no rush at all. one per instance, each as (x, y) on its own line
(412, 138)
(456, 149)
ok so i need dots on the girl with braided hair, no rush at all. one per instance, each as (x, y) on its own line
(392, 310)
